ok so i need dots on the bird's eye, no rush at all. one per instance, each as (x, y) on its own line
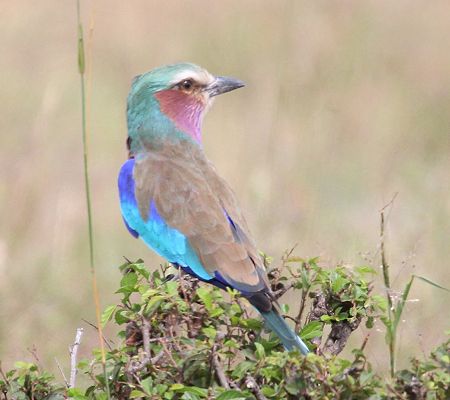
(187, 84)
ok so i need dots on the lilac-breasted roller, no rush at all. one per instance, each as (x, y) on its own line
(172, 197)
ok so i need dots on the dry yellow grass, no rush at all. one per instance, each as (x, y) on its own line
(346, 104)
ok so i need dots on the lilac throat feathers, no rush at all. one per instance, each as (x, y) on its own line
(185, 111)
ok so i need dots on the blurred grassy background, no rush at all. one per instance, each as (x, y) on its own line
(346, 103)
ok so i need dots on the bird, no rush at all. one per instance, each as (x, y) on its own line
(173, 198)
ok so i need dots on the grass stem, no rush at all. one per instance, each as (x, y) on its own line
(82, 70)
(387, 285)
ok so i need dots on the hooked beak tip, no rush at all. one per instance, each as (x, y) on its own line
(223, 84)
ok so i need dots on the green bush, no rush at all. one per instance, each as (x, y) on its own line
(182, 339)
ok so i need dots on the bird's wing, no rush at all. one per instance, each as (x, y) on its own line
(191, 197)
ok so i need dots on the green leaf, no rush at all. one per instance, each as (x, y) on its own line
(75, 393)
(311, 330)
(210, 332)
(176, 386)
(365, 377)
(313, 261)
(140, 268)
(153, 304)
(251, 323)
(216, 312)
(129, 280)
(107, 314)
(431, 283)
(83, 364)
(148, 293)
(327, 318)
(161, 388)
(284, 308)
(292, 388)
(365, 269)
(339, 283)
(205, 297)
(230, 395)
(260, 352)
(231, 343)
(305, 279)
(369, 322)
(136, 394)
(381, 302)
(147, 385)
(120, 317)
(268, 391)
(399, 308)
(189, 396)
(25, 366)
(241, 369)
(172, 288)
(179, 388)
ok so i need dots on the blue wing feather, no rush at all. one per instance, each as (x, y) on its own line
(131, 230)
(164, 240)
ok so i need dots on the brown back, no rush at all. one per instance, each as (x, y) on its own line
(192, 198)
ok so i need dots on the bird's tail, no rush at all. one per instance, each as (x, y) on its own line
(287, 336)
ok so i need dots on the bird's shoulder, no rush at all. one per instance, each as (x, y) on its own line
(175, 178)
(181, 175)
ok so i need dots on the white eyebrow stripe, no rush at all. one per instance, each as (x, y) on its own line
(201, 77)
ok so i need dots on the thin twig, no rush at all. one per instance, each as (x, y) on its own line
(147, 359)
(219, 371)
(318, 309)
(174, 339)
(155, 360)
(139, 366)
(217, 366)
(146, 335)
(287, 254)
(169, 355)
(33, 352)
(186, 297)
(241, 306)
(364, 343)
(282, 291)
(5, 378)
(73, 357)
(391, 202)
(251, 384)
(62, 373)
(298, 319)
(96, 328)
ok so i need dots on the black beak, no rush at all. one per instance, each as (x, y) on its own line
(223, 84)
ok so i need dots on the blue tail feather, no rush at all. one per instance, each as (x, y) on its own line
(287, 336)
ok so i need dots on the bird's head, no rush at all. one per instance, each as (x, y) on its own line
(172, 100)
